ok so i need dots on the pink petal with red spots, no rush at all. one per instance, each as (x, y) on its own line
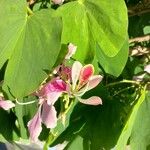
(86, 72)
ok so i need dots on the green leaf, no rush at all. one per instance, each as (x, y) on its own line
(127, 130)
(113, 65)
(8, 129)
(91, 21)
(76, 144)
(30, 43)
(140, 137)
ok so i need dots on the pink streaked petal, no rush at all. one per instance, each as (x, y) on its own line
(94, 100)
(6, 104)
(35, 126)
(52, 97)
(55, 85)
(71, 50)
(76, 69)
(49, 116)
(147, 68)
(86, 72)
(94, 81)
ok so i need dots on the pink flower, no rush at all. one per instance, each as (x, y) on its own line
(73, 81)
(147, 68)
(71, 50)
(83, 80)
(58, 2)
(6, 104)
(46, 113)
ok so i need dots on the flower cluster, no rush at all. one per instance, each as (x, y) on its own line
(71, 81)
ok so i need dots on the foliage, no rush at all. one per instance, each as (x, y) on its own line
(114, 37)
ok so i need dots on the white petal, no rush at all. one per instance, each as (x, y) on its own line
(94, 100)
(75, 73)
(94, 81)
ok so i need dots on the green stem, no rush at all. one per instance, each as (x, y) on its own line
(27, 103)
(66, 111)
(123, 90)
(29, 11)
(124, 81)
(49, 141)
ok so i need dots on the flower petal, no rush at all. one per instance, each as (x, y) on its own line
(52, 97)
(86, 72)
(34, 126)
(71, 50)
(94, 81)
(82, 91)
(55, 85)
(49, 116)
(94, 100)
(6, 104)
(76, 68)
(147, 68)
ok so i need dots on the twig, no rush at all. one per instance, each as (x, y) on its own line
(123, 90)
(140, 39)
(138, 13)
(123, 81)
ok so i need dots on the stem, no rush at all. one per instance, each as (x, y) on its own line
(66, 111)
(27, 103)
(49, 141)
(123, 90)
(124, 81)
(29, 11)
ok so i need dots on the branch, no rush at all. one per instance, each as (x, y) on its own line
(140, 39)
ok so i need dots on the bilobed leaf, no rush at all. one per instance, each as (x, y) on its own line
(90, 21)
(127, 130)
(113, 65)
(30, 43)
